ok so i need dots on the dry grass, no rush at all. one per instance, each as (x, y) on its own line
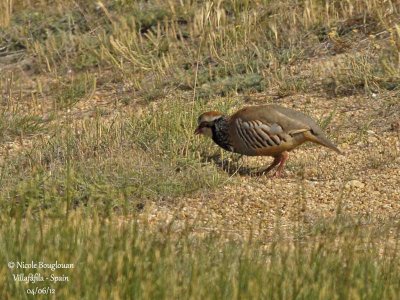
(98, 103)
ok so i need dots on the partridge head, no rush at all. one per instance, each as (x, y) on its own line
(265, 130)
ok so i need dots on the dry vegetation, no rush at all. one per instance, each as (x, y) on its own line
(99, 165)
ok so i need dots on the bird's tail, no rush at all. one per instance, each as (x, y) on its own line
(322, 140)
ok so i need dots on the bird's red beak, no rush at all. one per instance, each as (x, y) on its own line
(197, 131)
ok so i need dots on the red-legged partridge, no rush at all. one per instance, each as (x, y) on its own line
(265, 130)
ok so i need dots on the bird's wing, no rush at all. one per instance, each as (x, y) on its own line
(257, 134)
(257, 126)
(314, 132)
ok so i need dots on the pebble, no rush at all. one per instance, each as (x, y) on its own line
(372, 139)
(354, 184)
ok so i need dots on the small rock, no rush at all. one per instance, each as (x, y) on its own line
(344, 146)
(354, 184)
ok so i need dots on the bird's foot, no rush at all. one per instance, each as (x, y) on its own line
(278, 161)
(278, 174)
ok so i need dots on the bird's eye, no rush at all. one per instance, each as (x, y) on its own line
(205, 124)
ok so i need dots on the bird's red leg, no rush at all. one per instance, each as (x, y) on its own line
(282, 159)
(276, 162)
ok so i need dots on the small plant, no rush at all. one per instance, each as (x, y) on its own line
(74, 90)
(17, 125)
